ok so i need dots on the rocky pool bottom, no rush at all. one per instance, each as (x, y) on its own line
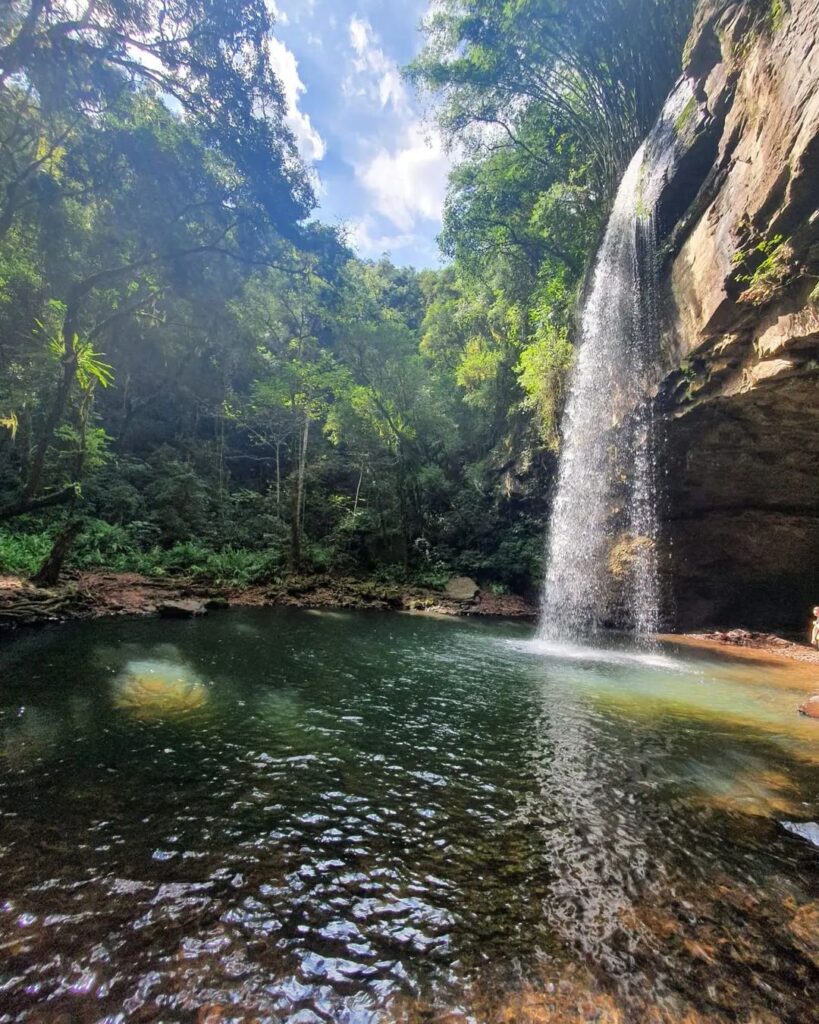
(277, 815)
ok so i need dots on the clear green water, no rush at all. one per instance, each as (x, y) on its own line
(301, 816)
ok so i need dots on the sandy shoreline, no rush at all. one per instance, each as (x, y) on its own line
(792, 664)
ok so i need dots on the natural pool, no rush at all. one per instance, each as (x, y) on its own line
(279, 815)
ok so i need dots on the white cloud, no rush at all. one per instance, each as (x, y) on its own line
(311, 144)
(374, 75)
(360, 34)
(279, 16)
(366, 238)
(408, 184)
(297, 11)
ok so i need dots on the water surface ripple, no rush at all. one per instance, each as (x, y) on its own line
(272, 815)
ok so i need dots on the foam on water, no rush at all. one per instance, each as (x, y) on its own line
(566, 651)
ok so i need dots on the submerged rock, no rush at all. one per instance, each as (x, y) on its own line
(462, 588)
(808, 830)
(155, 688)
(811, 706)
(805, 929)
(185, 608)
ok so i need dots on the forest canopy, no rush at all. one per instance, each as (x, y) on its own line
(197, 376)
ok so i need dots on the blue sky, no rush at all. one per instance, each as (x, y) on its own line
(381, 167)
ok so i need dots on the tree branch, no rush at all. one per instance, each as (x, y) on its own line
(24, 505)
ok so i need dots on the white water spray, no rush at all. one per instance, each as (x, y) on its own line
(606, 488)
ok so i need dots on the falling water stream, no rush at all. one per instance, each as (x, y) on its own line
(602, 553)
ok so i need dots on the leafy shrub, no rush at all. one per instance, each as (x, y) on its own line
(247, 519)
(234, 566)
(433, 575)
(318, 557)
(103, 545)
(22, 553)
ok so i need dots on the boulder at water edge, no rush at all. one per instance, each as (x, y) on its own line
(462, 588)
(183, 609)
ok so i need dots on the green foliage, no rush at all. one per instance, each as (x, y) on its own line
(229, 566)
(764, 267)
(542, 371)
(102, 545)
(213, 59)
(22, 554)
(685, 117)
(91, 443)
(478, 366)
(777, 10)
(177, 498)
(599, 71)
(209, 381)
(90, 367)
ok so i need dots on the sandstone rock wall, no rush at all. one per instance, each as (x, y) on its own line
(740, 400)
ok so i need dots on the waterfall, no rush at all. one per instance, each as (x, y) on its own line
(602, 549)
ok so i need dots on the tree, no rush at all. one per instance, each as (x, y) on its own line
(601, 68)
(62, 58)
(208, 381)
(291, 314)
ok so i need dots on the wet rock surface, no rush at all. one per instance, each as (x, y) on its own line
(184, 608)
(751, 640)
(740, 397)
(810, 709)
(807, 830)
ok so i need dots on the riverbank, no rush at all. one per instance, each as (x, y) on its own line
(92, 595)
(745, 644)
(790, 667)
(97, 594)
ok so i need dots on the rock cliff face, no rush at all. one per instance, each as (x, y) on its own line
(740, 277)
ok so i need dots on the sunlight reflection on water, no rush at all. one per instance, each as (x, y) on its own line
(301, 817)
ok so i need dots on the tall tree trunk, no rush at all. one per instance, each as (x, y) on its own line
(68, 373)
(299, 495)
(358, 489)
(278, 481)
(49, 572)
(221, 437)
(29, 500)
(402, 511)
